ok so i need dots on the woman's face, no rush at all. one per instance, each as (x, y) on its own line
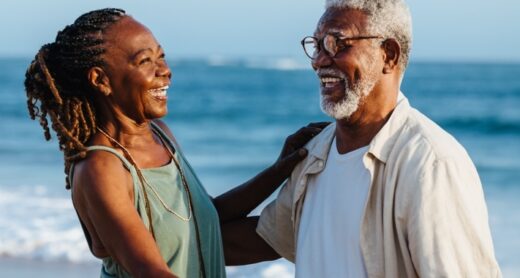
(136, 70)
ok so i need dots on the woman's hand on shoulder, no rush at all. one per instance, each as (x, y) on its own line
(293, 150)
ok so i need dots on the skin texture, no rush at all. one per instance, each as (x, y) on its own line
(125, 108)
(359, 129)
(352, 133)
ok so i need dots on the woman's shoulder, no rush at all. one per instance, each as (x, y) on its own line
(99, 169)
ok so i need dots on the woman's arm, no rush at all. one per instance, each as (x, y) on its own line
(103, 197)
(240, 201)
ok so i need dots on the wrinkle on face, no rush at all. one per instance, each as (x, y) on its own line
(358, 63)
(354, 25)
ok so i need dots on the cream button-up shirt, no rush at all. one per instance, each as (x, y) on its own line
(425, 215)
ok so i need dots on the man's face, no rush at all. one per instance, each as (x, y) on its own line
(348, 77)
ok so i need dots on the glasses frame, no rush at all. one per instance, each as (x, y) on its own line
(331, 55)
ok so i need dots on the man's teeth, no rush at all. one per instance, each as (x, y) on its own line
(330, 81)
(159, 92)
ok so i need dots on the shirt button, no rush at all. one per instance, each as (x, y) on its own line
(320, 164)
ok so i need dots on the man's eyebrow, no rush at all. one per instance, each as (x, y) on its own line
(336, 32)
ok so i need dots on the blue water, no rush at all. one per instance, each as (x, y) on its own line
(231, 118)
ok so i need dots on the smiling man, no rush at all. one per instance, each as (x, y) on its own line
(383, 192)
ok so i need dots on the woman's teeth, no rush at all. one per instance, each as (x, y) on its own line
(159, 92)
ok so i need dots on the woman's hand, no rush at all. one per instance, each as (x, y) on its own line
(240, 201)
(293, 151)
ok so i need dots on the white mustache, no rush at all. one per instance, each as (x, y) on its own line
(330, 72)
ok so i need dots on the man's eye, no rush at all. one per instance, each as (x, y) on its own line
(162, 56)
(343, 45)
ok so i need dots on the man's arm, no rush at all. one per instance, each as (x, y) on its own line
(448, 230)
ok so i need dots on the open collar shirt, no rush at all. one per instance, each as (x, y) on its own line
(425, 214)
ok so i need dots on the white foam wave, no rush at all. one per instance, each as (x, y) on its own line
(272, 63)
(284, 64)
(277, 271)
(37, 225)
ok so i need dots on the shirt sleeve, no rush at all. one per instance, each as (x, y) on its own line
(276, 226)
(448, 230)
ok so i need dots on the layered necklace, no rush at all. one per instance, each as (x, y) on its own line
(145, 181)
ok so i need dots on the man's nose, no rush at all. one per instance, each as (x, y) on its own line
(321, 60)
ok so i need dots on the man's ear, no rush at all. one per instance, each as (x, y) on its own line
(392, 51)
(98, 79)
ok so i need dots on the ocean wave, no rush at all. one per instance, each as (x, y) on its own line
(283, 64)
(490, 125)
(37, 225)
(270, 63)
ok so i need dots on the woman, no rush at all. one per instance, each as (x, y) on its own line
(103, 83)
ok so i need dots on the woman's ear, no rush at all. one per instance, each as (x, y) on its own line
(392, 51)
(98, 79)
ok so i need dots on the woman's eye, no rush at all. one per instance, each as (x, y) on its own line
(144, 61)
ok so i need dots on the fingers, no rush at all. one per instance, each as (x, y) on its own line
(306, 132)
(320, 125)
(287, 164)
(301, 137)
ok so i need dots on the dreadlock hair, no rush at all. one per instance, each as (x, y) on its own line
(57, 87)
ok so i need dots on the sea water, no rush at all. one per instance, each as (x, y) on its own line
(231, 118)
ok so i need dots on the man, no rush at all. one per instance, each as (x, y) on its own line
(383, 192)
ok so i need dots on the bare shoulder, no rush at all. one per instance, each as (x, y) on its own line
(101, 173)
(167, 130)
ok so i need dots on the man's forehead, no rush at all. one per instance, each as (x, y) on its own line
(342, 22)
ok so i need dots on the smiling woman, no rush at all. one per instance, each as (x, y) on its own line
(103, 83)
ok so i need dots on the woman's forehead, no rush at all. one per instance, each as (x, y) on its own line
(129, 35)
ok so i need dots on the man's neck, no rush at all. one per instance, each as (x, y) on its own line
(358, 130)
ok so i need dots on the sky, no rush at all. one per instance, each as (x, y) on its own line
(444, 30)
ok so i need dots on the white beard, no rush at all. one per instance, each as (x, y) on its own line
(350, 103)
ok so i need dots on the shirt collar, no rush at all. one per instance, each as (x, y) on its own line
(381, 144)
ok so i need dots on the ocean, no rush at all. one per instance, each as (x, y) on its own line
(231, 118)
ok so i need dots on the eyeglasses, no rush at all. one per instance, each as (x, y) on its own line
(330, 43)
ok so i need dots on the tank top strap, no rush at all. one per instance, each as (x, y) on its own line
(126, 164)
(171, 144)
(123, 159)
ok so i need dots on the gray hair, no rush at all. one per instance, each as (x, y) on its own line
(387, 18)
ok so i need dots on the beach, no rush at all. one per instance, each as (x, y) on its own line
(231, 118)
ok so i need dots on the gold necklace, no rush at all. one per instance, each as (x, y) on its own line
(145, 181)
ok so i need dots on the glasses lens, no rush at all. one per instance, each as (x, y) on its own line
(310, 46)
(329, 44)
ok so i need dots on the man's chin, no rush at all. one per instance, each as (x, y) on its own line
(341, 110)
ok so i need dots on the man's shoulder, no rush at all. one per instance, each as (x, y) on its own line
(424, 137)
(319, 144)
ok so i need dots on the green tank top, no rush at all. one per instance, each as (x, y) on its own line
(175, 238)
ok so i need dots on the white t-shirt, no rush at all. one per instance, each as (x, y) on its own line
(328, 242)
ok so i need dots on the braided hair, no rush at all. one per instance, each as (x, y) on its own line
(57, 86)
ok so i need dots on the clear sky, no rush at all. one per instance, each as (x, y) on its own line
(444, 30)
